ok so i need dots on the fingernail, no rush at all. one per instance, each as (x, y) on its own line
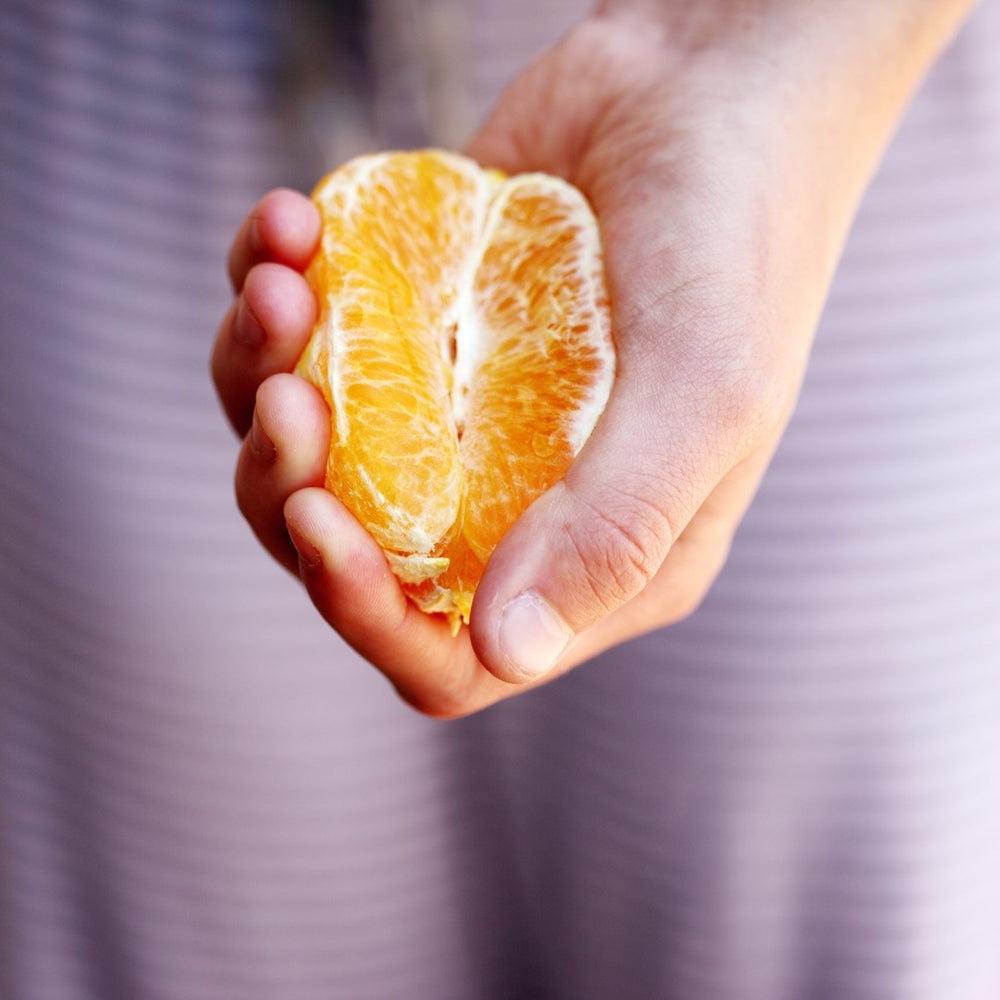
(308, 553)
(246, 329)
(260, 444)
(532, 636)
(253, 236)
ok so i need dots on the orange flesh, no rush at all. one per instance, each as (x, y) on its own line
(463, 349)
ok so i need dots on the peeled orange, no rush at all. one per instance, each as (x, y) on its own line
(463, 346)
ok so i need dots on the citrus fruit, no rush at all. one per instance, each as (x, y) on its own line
(463, 346)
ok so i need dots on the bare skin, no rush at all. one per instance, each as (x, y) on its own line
(724, 146)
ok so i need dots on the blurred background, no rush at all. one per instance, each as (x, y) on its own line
(204, 793)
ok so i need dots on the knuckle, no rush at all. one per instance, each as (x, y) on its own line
(744, 386)
(737, 379)
(753, 397)
(619, 545)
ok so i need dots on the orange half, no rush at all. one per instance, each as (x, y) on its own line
(463, 346)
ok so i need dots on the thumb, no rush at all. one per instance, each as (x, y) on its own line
(597, 538)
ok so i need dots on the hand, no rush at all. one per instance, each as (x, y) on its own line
(724, 156)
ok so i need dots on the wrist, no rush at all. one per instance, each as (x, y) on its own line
(829, 47)
(828, 79)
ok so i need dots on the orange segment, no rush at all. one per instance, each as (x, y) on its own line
(395, 240)
(547, 362)
(463, 347)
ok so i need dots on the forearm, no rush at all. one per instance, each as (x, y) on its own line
(894, 37)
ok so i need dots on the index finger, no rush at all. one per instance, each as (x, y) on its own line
(283, 227)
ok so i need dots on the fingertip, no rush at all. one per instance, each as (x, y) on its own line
(514, 630)
(294, 416)
(308, 553)
(564, 566)
(346, 551)
(276, 305)
(245, 328)
(283, 227)
(288, 227)
(304, 512)
(263, 333)
(531, 638)
(259, 441)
